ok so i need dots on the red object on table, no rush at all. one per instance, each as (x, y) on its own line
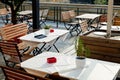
(51, 60)
(51, 30)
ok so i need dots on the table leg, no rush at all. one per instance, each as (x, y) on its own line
(54, 45)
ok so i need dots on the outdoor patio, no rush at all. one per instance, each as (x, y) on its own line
(85, 24)
(69, 41)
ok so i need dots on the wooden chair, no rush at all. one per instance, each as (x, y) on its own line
(44, 16)
(102, 21)
(116, 21)
(13, 74)
(11, 53)
(13, 32)
(84, 26)
(72, 14)
(69, 23)
(56, 76)
(4, 15)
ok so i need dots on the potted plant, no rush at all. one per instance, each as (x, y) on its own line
(82, 51)
(46, 28)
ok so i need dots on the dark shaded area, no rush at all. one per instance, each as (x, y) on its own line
(82, 1)
(116, 2)
(35, 10)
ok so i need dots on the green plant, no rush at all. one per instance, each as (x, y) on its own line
(80, 48)
(47, 27)
(100, 2)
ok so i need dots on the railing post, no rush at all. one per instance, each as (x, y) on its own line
(77, 11)
(60, 13)
(57, 17)
(54, 13)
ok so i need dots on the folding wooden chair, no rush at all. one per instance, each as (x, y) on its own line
(13, 74)
(84, 26)
(69, 23)
(13, 32)
(4, 15)
(11, 53)
(44, 15)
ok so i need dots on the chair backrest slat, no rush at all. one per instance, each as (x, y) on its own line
(45, 12)
(3, 11)
(41, 13)
(9, 48)
(16, 75)
(13, 74)
(84, 25)
(65, 16)
(72, 14)
(13, 31)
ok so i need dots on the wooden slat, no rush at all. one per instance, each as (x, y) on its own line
(14, 31)
(105, 50)
(13, 74)
(102, 48)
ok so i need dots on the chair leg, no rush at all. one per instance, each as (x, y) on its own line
(66, 26)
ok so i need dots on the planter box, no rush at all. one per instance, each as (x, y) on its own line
(101, 47)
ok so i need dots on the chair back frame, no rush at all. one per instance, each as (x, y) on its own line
(11, 49)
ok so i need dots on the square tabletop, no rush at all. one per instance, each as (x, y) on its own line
(66, 66)
(114, 28)
(39, 62)
(49, 37)
(88, 16)
(27, 12)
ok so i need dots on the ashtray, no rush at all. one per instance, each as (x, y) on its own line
(51, 60)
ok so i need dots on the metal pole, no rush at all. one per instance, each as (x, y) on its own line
(35, 13)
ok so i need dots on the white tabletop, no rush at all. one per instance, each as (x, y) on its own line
(66, 66)
(88, 16)
(116, 28)
(27, 12)
(50, 37)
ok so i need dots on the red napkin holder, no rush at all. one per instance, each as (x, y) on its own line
(51, 30)
(51, 60)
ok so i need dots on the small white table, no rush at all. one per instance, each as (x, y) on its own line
(24, 15)
(89, 17)
(92, 70)
(27, 12)
(113, 28)
(50, 38)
